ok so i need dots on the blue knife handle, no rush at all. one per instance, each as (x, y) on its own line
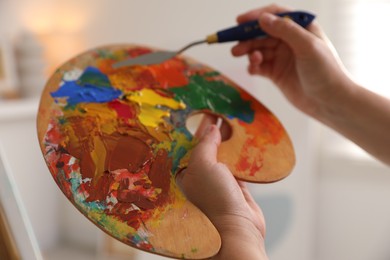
(251, 29)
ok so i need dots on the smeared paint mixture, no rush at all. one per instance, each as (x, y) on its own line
(119, 136)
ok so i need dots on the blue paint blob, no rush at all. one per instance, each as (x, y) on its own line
(92, 87)
(76, 94)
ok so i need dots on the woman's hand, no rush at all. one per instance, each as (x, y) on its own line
(304, 66)
(226, 202)
(301, 62)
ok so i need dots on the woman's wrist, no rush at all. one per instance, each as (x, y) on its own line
(241, 239)
(332, 108)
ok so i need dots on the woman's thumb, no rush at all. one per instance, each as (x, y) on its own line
(204, 154)
(207, 148)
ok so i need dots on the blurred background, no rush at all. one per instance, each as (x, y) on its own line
(335, 205)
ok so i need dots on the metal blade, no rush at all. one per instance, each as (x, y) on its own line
(146, 59)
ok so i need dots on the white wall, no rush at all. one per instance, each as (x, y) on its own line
(354, 209)
(353, 206)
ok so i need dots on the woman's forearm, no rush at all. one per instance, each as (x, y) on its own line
(363, 117)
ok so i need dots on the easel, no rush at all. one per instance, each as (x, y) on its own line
(8, 248)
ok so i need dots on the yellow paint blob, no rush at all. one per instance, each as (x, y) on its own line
(150, 97)
(151, 112)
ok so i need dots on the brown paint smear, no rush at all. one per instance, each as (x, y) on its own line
(129, 153)
(129, 149)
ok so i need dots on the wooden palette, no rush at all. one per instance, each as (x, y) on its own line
(114, 139)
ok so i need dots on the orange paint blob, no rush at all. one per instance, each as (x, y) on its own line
(170, 74)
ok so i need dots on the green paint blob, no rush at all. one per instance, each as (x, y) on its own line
(216, 96)
(92, 76)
